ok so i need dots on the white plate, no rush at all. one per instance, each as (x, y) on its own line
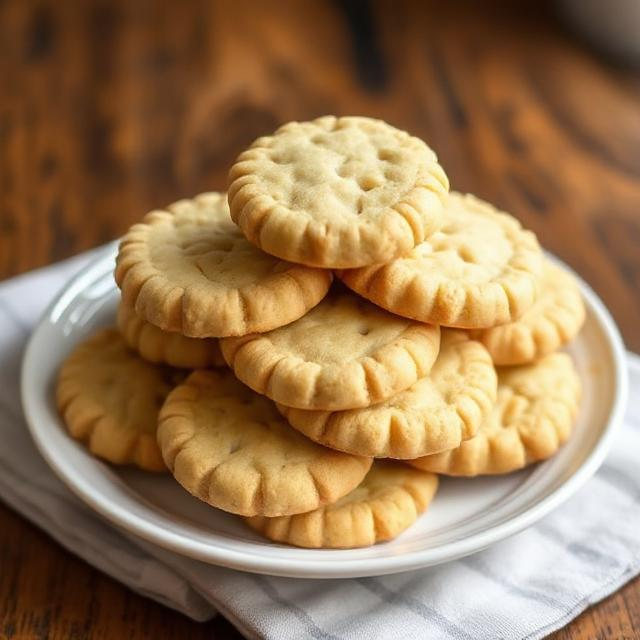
(466, 516)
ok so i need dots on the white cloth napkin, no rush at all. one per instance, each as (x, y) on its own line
(524, 587)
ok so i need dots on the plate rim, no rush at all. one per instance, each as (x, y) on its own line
(128, 521)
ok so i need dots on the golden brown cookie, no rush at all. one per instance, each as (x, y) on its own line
(387, 501)
(555, 318)
(189, 270)
(534, 415)
(479, 270)
(337, 192)
(438, 412)
(109, 398)
(229, 446)
(345, 353)
(166, 347)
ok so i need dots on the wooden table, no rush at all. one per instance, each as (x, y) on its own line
(108, 109)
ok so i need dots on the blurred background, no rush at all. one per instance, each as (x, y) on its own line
(108, 109)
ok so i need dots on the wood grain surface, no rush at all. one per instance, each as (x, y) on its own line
(110, 108)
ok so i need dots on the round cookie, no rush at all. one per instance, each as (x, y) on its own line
(555, 318)
(345, 353)
(189, 270)
(229, 447)
(109, 398)
(533, 416)
(337, 192)
(479, 270)
(387, 501)
(166, 347)
(438, 412)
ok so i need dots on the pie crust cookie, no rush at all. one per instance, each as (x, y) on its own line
(167, 347)
(534, 415)
(229, 447)
(191, 271)
(480, 270)
(438, 412)
(337, 192)
(555, 318)
(387, 501)
(109, 398)
(345, 353)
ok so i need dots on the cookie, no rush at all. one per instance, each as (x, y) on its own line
(555, 318)
(479, 270)
(387, 501)
(166, 347)
(189, 270)
(438, 412)
(345, 353)
(337, 192)
(109, 398)
(229, 447)
(533, 416)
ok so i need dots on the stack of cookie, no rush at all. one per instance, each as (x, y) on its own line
(434, 351)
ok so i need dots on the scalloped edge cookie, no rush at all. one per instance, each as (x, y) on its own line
(381, 227)
(387, 502)
(196, 306)
(404, 426)
(404, 288)
(539, 402)
(164, 347)
(229, 447)
(120, 438)
(555, 319)
(275, 365)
